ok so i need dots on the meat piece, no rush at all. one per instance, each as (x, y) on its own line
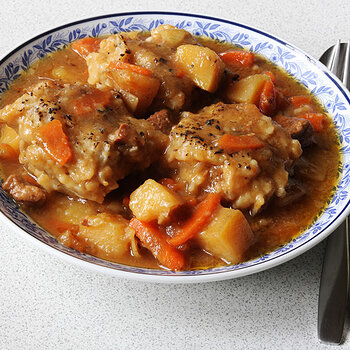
(127, 134)
(294, 191)
(161, 120)
(246, 178)
(298, 128)
(22, 191)
(106, 142)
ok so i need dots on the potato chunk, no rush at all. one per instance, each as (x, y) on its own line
(247, 90)
(153, 201)
(143, 88)
(169, 35)
(201, 64)
(228, 236)
(9, 136)
(105, 235)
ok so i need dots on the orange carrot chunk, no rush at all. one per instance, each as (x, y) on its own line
(155, 241)
(86, 45)
(91, 101)
(267, 103)
(241, 58)
(198, 220)
(124, 65)
(270, 75)
(317, 120)
(55, 142)
(298, 101)
(234, 143)
(7, 152)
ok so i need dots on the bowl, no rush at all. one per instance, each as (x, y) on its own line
(308, 71)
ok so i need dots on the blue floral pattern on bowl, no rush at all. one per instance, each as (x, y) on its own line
(305, 69)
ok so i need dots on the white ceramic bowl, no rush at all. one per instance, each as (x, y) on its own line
(308, 71)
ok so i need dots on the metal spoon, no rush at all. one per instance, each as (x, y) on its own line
(334, 285)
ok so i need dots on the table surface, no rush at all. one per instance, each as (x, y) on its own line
(48, 303)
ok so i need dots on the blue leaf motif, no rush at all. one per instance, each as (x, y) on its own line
(289, 56)
(199, 24)
(128, 20)
(181, 25)
(235, 37)
(345, 149)
(206, 26)
(151, 25)
(214, 26)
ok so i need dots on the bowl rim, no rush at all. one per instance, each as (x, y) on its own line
(192, 278)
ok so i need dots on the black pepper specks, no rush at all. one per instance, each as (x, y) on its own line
(210, 122)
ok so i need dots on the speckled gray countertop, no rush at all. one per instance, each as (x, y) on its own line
(45, 303)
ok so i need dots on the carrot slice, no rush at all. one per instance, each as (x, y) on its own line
(267, 103)
(270, 75)
(7, 152)
(317, 120)
(155, 241)
(55, 142)
(241, 58)
(86, 45)
(234, 143)
(124, 65)
(298, 101)
(198, 220)
(91, 101)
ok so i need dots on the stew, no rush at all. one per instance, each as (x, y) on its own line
(166, 150)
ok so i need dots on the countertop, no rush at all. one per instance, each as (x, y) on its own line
(46, 303)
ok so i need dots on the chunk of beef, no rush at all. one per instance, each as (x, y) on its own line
(127, 134)
(161, 120)
(298, 128)
(294, 191)
(23, 191)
